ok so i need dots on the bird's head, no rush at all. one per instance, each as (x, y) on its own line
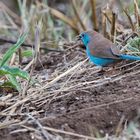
(85, 37)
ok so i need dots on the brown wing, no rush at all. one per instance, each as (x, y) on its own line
(101, 47)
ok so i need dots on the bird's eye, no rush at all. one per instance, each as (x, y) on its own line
(83, 35)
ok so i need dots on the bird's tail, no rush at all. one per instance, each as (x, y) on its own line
(129, 57)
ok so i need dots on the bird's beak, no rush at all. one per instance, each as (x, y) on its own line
(79, 41)
(78, 37)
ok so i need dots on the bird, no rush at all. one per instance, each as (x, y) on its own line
(101, 51)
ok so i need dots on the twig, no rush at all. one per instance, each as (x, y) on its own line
(77, 15)
(36, 57)
(69, 133)
(113, 26)
(19, 102)
(137, 12)
(109, 20)
(20, 56)
(10, 12)
(11, 112)
(12, 61)
(119, 127)
(62, 75)
(46, 135)
(130, 20)
(27, 128)
(64, 18)
(6, 124)
(104, 24)
(20, 114)
(55, 95)
(101, 105)
(29, 65)
(21, 130)
(94, 17)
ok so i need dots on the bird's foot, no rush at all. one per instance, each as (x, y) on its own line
(100, 71)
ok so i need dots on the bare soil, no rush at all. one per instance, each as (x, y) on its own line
(92, 111)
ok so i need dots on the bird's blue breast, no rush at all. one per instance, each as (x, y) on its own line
(97, 60)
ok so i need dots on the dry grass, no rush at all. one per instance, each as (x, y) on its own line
(64, 81)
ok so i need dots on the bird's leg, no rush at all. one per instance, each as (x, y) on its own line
(100, 70)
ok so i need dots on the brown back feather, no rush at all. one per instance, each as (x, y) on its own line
(101, 47)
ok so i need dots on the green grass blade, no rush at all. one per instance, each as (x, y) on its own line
(27, 53)
(135, 42)
(12, 49)
(7, 84)
(14, 72)
(14, 81)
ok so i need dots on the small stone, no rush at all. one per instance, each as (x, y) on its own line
(77, 98)
(62, 108)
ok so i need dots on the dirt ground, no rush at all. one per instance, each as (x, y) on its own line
(91, 111)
